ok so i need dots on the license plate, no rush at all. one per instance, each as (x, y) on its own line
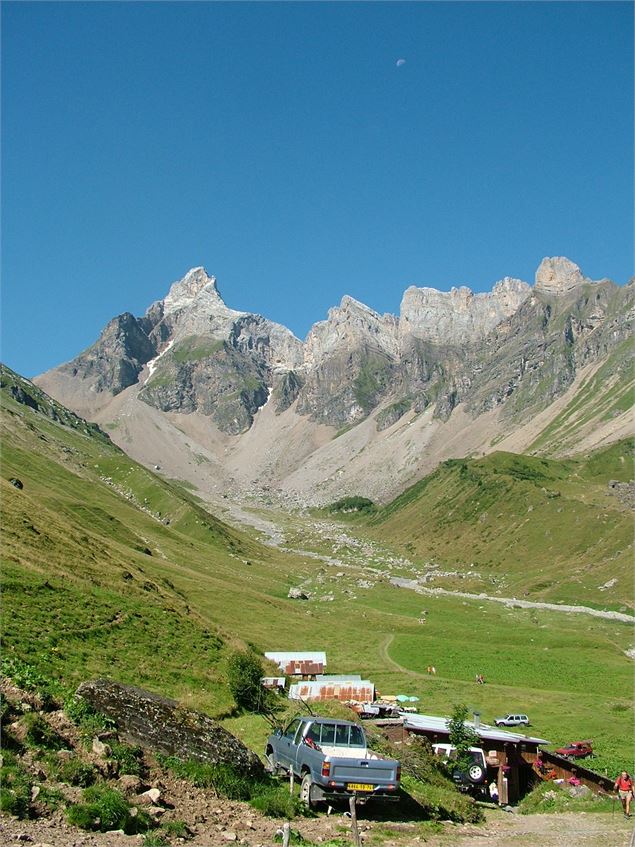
(360, 786)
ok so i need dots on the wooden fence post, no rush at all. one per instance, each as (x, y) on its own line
(357, 841)
(286, 834)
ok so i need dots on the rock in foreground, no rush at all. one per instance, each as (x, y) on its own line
(162, 725)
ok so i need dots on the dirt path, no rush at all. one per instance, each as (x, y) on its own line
(383, 650)
(220, 826)
(415, 585)
(562, 830)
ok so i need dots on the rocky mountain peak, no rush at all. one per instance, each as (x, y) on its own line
(196, 283)
(348, 326)
(557, 275)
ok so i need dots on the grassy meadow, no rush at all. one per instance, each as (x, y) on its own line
(522, 526)
(109, 570)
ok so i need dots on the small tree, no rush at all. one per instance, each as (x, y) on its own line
(462, 737)
(244, 672)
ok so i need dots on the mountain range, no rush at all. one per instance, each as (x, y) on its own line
(368, 403)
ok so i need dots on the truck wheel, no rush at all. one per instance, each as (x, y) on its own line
(475, 773)
(305, 791)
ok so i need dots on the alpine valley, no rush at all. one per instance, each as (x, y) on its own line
(452, 487)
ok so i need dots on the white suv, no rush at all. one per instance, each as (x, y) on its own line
(474, 780)
(512, 720)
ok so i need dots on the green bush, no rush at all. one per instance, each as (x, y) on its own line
(266, 794)
(88, 720)
(78, 709)
(244, 672)
(40, 734)
(155, 839)
(176, 829)
(353, 504)
(416, 757)
(224, 780)
(52, 798)
(15, 788)
(462, 736)
(276, 802)
(105, 809)
(75, 772)
(127, 757)
(28, 678)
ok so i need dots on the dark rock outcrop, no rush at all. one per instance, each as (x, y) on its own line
(161, 725)
(115, 361)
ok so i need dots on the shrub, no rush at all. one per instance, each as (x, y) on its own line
(462, 736)
(52, 798)
(416, 757)
(40, 734)
(244, 672)
(176, 829)
(127, 757)
(15, 790)
(266, 795)
(353, 504)
(88, 720)
(27, 677)
(224, 780)
(105, 809)
(78, 709)
(155, 839)
(276, 802)
(75, 772)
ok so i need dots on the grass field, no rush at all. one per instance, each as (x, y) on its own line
(111, 571)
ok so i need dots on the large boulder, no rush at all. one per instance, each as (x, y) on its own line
(162, 725)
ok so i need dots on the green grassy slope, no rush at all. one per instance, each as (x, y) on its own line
(102, 560)
(524, 526)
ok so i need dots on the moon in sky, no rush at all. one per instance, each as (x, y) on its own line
(400, 62)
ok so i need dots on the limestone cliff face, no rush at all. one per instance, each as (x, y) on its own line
(458, 317)
(516, 347)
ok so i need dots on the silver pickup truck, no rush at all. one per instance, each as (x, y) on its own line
(332, 760)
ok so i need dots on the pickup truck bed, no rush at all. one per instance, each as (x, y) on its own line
(332, 760)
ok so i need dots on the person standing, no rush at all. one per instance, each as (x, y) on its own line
(624, 787)
(493, 791)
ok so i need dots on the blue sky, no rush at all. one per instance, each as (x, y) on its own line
(282, 147)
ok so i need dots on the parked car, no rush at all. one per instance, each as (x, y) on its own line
(515, 719)
(332, 759)
(576, 750)
(472, 780)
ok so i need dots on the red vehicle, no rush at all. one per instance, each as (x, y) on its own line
(576, 750)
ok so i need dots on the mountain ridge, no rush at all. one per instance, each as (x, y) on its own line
(513, 352)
